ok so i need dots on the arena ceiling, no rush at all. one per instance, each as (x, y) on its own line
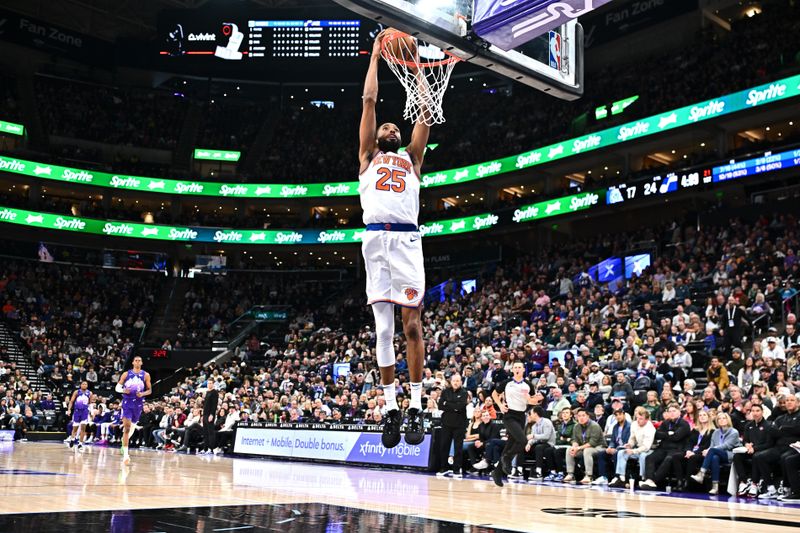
(114, 19)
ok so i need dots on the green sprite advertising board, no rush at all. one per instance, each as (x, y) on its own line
(216, 155)
(691, 114)
(13, 129)
(115, 228)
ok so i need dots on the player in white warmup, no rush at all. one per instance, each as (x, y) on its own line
(389, 184)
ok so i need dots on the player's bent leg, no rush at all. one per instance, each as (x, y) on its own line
(126, 432)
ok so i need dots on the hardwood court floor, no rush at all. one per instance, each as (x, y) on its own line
(50, 478)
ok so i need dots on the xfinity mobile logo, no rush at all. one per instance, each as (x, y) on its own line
(587, 200)
(188, 187)
(182, 234)
(340, 188)
(626, 132)
(39, 170)
(236, 190)
(227, 236)
(434, 179)
(260, 236)
(714, 107)
(117, 229)
(128, 182)
(593, 141)
(485, 222)
(263, 190)
(156, 185)
(532, 211)
(461, 174)
(775, 90)
(491, 168)
(297, 190)
(332, 236)
(288, 238)
(12, 165)
(528, 159)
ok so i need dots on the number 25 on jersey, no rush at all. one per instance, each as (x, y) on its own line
(391, 180)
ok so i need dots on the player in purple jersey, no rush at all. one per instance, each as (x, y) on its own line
(79, 408)
(134, 385)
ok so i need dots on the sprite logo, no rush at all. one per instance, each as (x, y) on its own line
(593, 141)
(127, 182)
(529, 159)
(288, 237)
(7, 214)
(434, 228)
(485, 222)
(236, 190)
(117, 229)
(331, 236)
(714, 107)
(188, 187)
(182, 234)
(626, 132)
(340, 188)
(80, 175)
(526, 213)
(227, 236)
(69, 223)
(434, 179)
(12, 165)
(583, 202)
(297, 190)
(775, 90)
(488, 169)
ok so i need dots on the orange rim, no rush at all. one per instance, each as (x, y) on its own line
(391, 36)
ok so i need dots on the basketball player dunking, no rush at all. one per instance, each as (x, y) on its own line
(134, 385)
(389, 187)
(79, 408)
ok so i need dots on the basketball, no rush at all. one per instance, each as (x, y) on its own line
(399, 47)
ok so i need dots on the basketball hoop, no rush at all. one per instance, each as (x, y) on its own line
(424, 76)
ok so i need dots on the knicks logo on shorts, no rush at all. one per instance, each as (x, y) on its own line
(411, 293)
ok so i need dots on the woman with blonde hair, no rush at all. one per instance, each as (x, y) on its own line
(724, 439)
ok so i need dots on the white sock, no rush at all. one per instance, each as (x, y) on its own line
(391, 397)
(416, 396)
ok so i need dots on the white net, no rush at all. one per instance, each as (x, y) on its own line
(424, 72)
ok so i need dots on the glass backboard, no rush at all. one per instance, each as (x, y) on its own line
(551, 62)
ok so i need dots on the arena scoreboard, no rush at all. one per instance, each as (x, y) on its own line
(249, 39)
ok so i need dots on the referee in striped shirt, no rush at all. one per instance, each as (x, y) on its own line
(513, 396)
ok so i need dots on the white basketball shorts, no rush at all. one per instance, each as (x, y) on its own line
(395, 267)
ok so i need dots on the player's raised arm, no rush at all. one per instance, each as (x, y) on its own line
(419, 137)
(368, 129)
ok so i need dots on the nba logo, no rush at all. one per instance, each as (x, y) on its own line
(555, 50)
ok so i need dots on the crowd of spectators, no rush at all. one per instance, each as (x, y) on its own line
(114, 115)
(231, 124)
(78, 323)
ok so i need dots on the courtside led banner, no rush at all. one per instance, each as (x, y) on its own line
(13, 129)
(329, 445)
(691, 114)
(217, 155)
(136, 230)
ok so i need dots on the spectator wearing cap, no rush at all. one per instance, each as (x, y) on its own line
(595, 374)
(773, 350)
(539, 356)
(736, 363)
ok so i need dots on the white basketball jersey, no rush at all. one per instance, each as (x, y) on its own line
(389, 190)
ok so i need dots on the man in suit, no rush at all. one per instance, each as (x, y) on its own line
(209, 417)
